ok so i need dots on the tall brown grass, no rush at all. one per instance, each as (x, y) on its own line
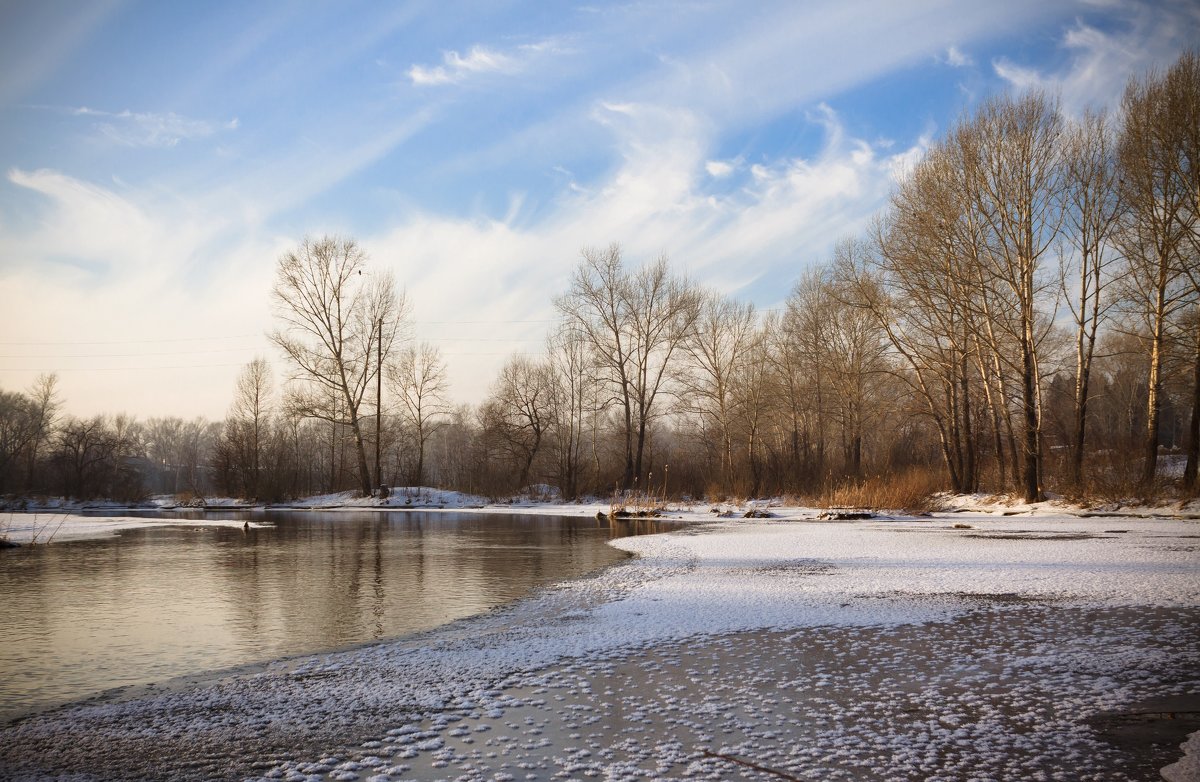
(912, 491)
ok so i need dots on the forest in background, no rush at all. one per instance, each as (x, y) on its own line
(1022, 317)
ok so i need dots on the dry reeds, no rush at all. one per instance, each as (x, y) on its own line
(911, 491)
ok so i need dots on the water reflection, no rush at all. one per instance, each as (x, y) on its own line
(151, 604)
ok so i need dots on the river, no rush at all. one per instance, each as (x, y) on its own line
(148, 605)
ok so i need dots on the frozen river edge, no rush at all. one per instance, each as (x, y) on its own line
(950, 647)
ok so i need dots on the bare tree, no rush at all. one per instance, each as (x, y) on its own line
(519, 411)
(18, 428)
(1014, 168)
(800, 339)
(249, 418)
(1183, 89)
(718, 348)
(84, 453)
(45, 405)
(1092, 209)
(419, 380)
(916, 282)
(573, 398)
(336, 321)
(634, 323)
(856, 347)
(752, 392)
(1154, 226)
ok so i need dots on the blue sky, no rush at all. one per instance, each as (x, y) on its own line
(157, 158)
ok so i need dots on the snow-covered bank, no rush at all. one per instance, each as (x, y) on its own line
(992, 630)
(1187, 768)
(25, 528)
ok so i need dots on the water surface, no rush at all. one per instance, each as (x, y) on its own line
(79, 617)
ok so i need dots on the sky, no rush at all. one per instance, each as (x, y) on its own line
(158, 158)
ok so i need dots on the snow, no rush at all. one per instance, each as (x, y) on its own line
(401, 497)
(25, 528)
(960, 645)
(1187, 768)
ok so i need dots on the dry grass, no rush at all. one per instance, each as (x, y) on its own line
(911, 491)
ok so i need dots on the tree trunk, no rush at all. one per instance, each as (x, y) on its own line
(628, 478)
(1032, 446)
(364, 472)
(1193, 453)
(994, 414)
(948, 456)
(1153, 399)
(641, 445)
(970, 479)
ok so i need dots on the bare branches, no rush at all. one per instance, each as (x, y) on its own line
(633, 323)
(419, 380)
(336, 320)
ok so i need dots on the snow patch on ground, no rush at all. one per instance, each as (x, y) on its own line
(1187, 768)
(25, 528)
(400, 497)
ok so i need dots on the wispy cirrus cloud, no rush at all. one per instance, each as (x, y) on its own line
(456, 67)
(957, 58)
(480, 60)
(152, 129)
(1100, 61)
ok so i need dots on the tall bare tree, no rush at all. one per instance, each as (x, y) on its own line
(634, 323)
(917, 280)
(856, 350)
(1014, 170)
(718, 348)
(572, 400)
(1154, 227)
(419, 380)
(1183, 90)
(45, 407)
(336, 321)
(1092, 209)
(249, 418)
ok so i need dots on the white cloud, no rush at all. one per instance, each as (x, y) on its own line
(718, 169)
(1020, 77)
(480, 60)
(751, 242)
(99, 274)
(957, 58)
(501, 272)
(1100, 62)
(456, 67)
(152, 129)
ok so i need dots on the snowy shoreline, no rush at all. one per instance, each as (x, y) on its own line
(67, 521)
(409, 702)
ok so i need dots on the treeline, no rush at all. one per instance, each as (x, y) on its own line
(1023, 316)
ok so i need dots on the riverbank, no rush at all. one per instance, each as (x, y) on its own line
(954, 646)
(60, 520)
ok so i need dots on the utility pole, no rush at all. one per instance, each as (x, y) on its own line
(378, 405)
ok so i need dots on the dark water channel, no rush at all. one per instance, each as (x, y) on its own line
(79, 617)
